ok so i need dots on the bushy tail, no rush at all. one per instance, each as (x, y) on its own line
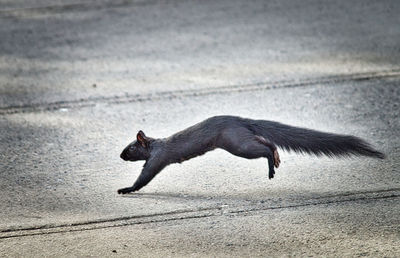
(304, 140)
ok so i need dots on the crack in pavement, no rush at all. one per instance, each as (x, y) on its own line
(186, 214)
(173, 94)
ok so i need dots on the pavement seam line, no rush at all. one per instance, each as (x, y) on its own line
(174, 94)
(184, 215)
(83, 6)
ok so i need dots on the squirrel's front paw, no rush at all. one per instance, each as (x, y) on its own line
(125, 190)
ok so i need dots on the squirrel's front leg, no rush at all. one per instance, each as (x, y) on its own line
(150, 170)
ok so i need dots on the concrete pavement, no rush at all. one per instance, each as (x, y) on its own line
(326, 230)
(128, 47)
(78, 83)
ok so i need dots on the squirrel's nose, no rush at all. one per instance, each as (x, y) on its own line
(122, 156)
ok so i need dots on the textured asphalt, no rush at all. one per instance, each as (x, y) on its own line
(79, 79)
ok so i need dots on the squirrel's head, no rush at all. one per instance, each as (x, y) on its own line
(137, 150)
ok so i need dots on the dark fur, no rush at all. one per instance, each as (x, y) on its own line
(242, 137)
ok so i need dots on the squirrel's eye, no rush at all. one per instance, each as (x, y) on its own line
(132, 147)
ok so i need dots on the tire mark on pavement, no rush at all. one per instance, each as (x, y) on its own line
(173, 94)
(187, 214)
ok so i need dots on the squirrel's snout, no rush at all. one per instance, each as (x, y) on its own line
(123, 156)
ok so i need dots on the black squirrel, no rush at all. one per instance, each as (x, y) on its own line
(242, 137)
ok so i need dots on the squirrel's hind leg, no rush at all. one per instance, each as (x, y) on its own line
(273, 148)
(242, 142)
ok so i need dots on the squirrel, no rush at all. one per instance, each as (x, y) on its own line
(242, 137)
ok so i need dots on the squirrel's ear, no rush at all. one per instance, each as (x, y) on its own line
(141, 138)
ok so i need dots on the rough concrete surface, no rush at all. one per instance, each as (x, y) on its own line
(78, 79)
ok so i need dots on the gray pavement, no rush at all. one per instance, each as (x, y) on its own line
(79, 79)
